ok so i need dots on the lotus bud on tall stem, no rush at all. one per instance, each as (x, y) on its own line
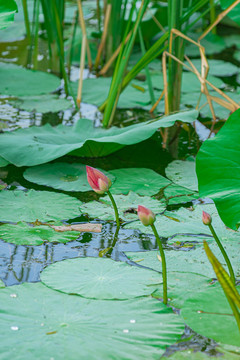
(207, 220)
(100, 183)
(147, 218)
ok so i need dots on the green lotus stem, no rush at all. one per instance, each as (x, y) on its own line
(164, 267)
(224, 254)
(115, 208)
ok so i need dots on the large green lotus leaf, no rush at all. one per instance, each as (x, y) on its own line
(3, 162)
(126, 204)
(218, 171)
(200, 355)
(175, 194)
(234, 14)
(24, 234)
(140, 180)
(209, 314)
(35, 82)
(2, 285)
(7, 10)
(100, 278)
(38, 145)
(37, 322)
(187, 221)
(190, 82)
(217, 67)
(183, 173)
(95, 92)
(17, 30)
(32, 205)
(41, 104)
(64, 176)
(192, 261)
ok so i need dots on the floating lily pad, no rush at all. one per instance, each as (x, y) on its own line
(190, 82)
(217, 67)
(25, 234)
(8, 9)
(41, 104)
(127, 206)
(32, 205)
(35, 82)
(181, 285)
(41, 323)
(192, 261)
(175, 194)
(64, 176)
(100, 278)
(209, 314)
(38, 145)
(142, 181)
(95, 92)
(220, 111)
(212, 43)
(183, 173)
(189, 221)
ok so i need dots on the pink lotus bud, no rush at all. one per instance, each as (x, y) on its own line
(99, 182)
(206, 218)
(146, 216)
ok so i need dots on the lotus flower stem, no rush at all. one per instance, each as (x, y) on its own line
(207, 220)
(224, 254)
(164, 266)
(115, 208)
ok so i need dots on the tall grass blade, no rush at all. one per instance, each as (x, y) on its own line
(26, 20)
(148, 76)
(120, 69)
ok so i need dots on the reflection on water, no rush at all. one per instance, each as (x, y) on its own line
(23, 263)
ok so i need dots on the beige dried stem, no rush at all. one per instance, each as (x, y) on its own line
(227, 103)
(84, 32)
(104, 34)
(219, 18)
(82, 65)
